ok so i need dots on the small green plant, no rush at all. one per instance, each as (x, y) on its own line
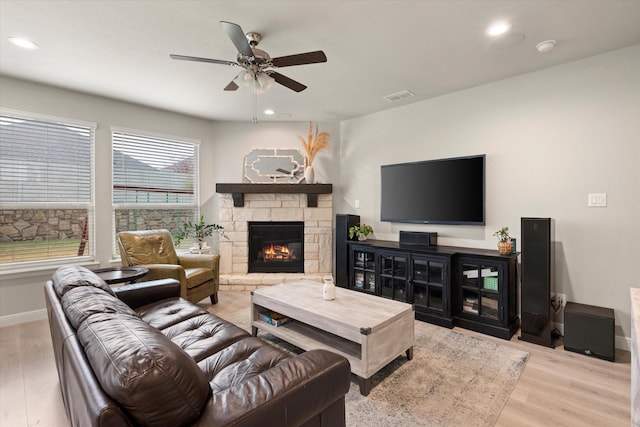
(503, 234)
(360, 232)
(198, 231)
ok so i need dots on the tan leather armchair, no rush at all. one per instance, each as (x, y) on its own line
(199, 275)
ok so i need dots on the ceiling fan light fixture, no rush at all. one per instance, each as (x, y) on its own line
(265, 81)
(244, 78)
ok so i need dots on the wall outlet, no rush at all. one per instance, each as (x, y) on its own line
(559, 299)
(562, 299)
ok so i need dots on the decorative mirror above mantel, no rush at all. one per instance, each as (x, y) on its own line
(274, 166)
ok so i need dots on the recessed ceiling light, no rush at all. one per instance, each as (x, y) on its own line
(498, 28)
(23, 43)
(269, 112)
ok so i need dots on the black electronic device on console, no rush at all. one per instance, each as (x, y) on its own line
(418, 238)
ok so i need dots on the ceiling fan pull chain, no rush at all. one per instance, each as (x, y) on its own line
(254, 94)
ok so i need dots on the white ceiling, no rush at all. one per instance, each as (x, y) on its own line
(120, 49)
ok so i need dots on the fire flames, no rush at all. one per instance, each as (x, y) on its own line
(276, 253)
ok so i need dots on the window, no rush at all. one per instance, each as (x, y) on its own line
(155, 181)
(46, 188)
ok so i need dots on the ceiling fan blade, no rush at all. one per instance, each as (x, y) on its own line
(286, 81)
(300, 59)
(197, 59)
(238, 38)
(231, 86)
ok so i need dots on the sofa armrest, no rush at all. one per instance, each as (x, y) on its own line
(138, 294)
(289, 394)
(199, 261)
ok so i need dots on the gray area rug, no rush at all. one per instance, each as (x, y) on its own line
(453, 380)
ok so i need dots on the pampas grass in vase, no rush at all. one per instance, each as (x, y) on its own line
(312, 146)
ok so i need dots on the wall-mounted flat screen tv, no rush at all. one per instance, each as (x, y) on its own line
(443, 191)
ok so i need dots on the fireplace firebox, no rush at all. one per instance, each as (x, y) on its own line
(276, 247)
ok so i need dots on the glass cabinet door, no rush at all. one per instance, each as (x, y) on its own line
(428, 279)
(393, 276)
(364, 270)
(480, 290)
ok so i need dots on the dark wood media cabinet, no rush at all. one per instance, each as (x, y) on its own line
(449, 286)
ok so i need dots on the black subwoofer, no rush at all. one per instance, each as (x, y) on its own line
(589, 330)
(537, 280)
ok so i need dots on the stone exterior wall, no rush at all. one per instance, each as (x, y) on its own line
(318, 224)
(17, 225)
(151, 219)
(59, 224)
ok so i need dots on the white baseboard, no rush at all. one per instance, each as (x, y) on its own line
(27, 316)
(623, 343)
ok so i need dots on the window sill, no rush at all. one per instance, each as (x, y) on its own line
(27, 269)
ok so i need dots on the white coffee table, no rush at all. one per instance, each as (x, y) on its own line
(369, 331)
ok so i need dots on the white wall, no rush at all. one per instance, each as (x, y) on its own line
(550, 138)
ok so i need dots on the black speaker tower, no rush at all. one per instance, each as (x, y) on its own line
(537, 280)
(343, 222)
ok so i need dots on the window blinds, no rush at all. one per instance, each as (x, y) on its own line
(46, 189)
(153, 170)
(44, 162)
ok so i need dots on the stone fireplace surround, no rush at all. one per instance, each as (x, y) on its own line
(276, 206)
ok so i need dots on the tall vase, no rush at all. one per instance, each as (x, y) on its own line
(309, 174)
(198, 244)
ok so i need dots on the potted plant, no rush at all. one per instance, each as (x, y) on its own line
(198, 231)
(505, 245)
(360, 231)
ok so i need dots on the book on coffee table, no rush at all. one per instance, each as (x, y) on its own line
(273, 318)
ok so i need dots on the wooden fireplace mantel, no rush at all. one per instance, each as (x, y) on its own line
(239, 190)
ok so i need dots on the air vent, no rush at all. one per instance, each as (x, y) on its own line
(397, 96)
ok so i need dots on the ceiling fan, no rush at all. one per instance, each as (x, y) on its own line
(257, 64)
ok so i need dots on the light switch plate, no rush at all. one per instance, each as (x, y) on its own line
(597, 200)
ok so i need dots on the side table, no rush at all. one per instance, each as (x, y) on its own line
(114, 275)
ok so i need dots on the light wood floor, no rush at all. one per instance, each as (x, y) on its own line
(556, 388)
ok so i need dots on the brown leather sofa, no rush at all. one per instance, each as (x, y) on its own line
(141, 355)
(198, 274)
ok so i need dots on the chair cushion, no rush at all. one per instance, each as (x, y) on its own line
(80, 303)
(198, 276)
(72, 276)
(147, 247)
(153, 379)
